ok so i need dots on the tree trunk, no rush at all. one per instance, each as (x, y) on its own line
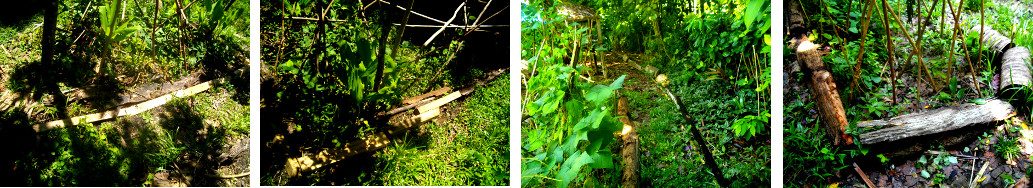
(47, 56)
(384, 30)
(936, 121)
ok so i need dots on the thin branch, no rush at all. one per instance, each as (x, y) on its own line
(443, 27)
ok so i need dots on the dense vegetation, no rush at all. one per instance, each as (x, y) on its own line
(713, 56)
(911, 56)
(106, 48)
(329, 68)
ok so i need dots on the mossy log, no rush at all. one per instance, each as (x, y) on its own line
(936, 121)
(1015, 74)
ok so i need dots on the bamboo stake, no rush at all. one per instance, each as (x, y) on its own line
(892, 60)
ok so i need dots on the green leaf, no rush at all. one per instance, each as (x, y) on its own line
(753, 9)
(925, 174)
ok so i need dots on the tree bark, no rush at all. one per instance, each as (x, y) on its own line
(629, 149)
(936, 121)
(993, 39)
(1015, 74)
(47, 57)
(824, 92)
(384, 30)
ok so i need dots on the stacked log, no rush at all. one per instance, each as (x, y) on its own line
(824, 92)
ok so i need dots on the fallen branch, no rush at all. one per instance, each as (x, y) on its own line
(993, 39)
(936, 121)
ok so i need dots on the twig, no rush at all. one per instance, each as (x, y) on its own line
(461, 5)
(863, 176)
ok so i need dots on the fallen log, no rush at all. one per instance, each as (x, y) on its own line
(312, 161)
(936, 121)
(629, 148)
(126, 111)
(1015, 74)
(824, 92)
(993, 39)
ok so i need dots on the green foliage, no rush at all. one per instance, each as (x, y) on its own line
(750, 125)
(566, 140)
(114, 23)
(478, 155)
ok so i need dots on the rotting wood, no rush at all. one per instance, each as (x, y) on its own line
(126, 111)
(629, 149)
(438, 103)
(824, 92)
(936, 121)
(993, 39)
(437, 92)
(325, 157)
(1015, 73)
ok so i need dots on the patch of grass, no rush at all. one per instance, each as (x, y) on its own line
(670, 157)
(470, 149)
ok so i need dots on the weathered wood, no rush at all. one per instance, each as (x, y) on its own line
(1015, 73)
(437, 92)
(404, 108)
(438, 103)
(629, 148)
(824, 92)
(993, 39)
(126, 111)
(936, 121)
(312, 161)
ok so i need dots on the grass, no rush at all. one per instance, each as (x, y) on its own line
(469, 149)
(127, 151)
(670, 158)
